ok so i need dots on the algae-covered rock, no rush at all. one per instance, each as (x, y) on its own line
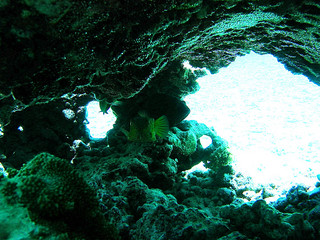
(16, 224)
(259, 218)
(54, 193)
(185, 139)
(163, 216)
(184, 142)
(220, 157)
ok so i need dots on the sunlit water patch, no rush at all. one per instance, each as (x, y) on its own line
(1, 130)
(268, 116)
(98, 123)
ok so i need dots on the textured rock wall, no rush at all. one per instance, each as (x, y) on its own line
(112, 49)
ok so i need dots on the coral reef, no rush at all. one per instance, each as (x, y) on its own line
(57, 55)
(142, 189)
(144, 192)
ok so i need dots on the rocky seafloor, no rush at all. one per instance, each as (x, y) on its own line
(116, 189)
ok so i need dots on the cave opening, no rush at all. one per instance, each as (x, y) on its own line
(265, 113)
(268, 117)
(98, 123)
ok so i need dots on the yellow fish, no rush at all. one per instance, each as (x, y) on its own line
(145, 129)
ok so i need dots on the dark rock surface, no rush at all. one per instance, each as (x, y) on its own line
(51, 127)
(112, 49)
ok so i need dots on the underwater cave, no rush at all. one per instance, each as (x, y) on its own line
(264, 112)
(139, 120)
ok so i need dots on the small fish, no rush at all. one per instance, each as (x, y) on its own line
(145, 129)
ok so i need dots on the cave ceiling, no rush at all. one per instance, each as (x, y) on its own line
(114, 49)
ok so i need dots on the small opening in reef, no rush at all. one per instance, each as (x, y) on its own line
(98, 123)
(205, 141)
(1, 130)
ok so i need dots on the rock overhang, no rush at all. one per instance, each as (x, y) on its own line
(114, 50)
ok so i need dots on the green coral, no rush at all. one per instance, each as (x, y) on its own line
(52, 191)
(185, 142)
(220, 157)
